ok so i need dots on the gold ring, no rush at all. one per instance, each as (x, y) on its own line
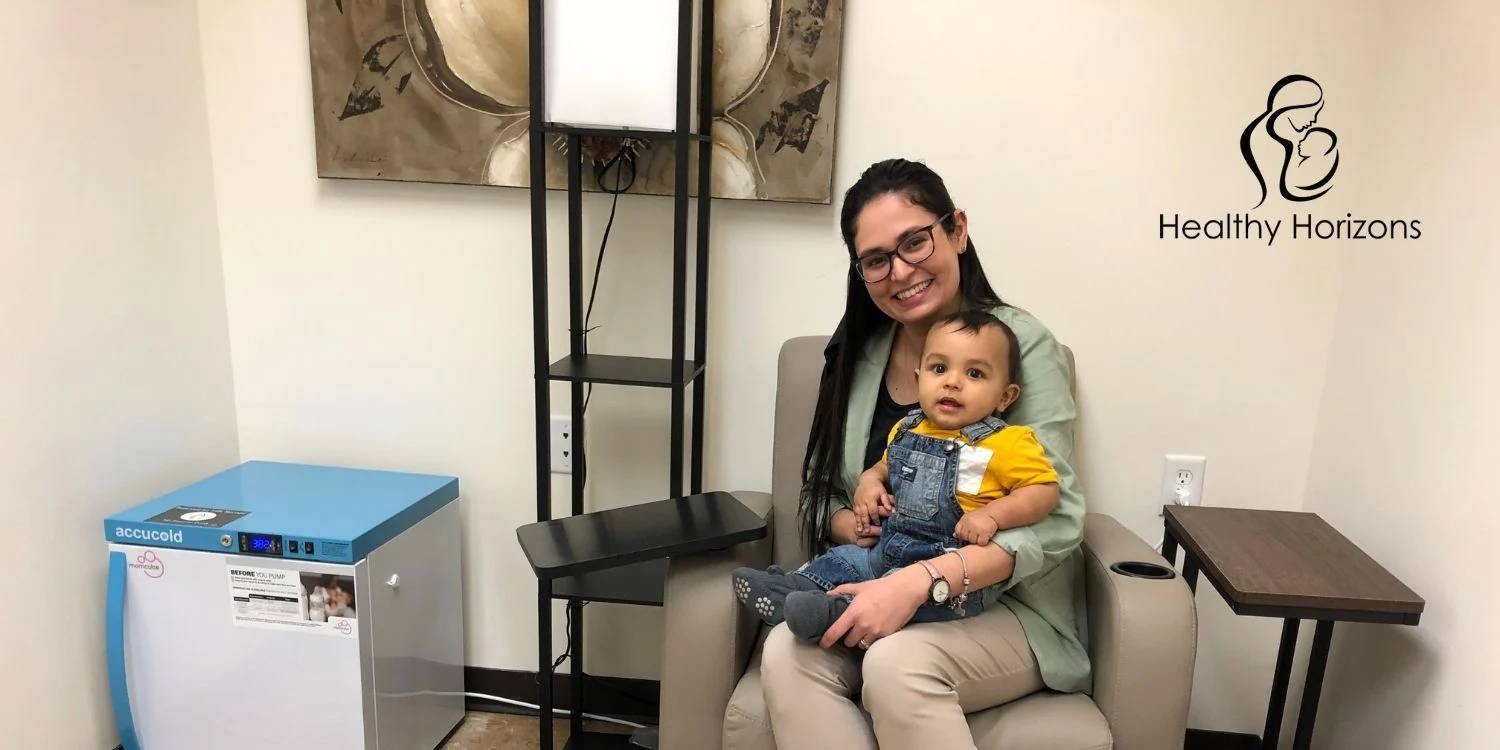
(864, 643)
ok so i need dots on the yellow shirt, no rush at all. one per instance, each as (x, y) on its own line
(994, 467)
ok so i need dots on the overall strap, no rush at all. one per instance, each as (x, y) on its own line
(983, 428)
(908, 422)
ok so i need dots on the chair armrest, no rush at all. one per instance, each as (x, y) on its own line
(706, 637)
(1143, 636)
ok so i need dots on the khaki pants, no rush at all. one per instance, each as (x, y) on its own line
(917, 684)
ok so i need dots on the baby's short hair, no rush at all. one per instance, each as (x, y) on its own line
(974, 321)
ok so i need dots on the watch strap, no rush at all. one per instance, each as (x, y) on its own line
(936, 576)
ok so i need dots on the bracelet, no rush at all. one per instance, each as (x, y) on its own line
(963, 596)
(931, 570)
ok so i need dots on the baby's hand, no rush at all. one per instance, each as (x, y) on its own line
(976, 527)
(868, 498)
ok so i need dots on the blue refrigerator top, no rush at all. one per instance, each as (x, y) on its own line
(291, 511)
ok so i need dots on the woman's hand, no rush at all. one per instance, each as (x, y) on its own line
(844, 528)
(880, 607)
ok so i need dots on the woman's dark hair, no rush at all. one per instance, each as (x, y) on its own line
(822, 465)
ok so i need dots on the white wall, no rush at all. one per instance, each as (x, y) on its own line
(1408, 428)
(386, 324)
(389, 324)
(114, 364)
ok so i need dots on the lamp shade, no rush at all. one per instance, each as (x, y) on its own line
(612, 63)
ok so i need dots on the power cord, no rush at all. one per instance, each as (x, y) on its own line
(568, 633)
(624, 158)
(518, 704)
(1181, 496)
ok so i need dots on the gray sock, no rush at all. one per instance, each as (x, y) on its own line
(809, 613)
(763, 592)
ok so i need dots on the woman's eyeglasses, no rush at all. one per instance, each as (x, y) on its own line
(916, 247)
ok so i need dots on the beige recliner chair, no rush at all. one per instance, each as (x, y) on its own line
(1141, 631)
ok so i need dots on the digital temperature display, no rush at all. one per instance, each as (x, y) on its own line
(260, 544)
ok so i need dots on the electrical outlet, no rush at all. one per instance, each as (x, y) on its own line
(562, 444)
(1182, 479)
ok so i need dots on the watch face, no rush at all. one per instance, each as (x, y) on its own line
(940, 590)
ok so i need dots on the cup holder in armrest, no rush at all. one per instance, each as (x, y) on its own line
(1136, 569)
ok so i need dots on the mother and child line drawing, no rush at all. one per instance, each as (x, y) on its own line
(1309, 153)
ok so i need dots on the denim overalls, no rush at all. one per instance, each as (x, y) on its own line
(924, 479)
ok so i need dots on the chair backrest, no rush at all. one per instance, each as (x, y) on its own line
(798, 371)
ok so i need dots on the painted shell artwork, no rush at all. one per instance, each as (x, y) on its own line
(437, 91)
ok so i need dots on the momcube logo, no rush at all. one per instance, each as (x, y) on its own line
(172, 536)
(148, 563)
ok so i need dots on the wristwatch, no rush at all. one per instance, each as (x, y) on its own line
(939, 591)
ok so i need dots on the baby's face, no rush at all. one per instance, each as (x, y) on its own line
(963, 378)
(1315, 143)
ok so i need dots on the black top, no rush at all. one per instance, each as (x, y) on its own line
(607, 368)
(887, 414)
(610, 538)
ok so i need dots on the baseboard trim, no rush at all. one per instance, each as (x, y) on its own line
(625, 697)
(640, 701)
(1208, 739)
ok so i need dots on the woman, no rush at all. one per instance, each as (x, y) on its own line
(917, 682)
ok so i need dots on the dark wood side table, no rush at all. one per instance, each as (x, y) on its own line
(568, 554)
(1295, 566)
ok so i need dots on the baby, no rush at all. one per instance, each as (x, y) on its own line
(953, 473)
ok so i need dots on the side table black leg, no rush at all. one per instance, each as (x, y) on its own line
(1168, 545)
(544, 661)
(1190, 571)
(575, 646)
(1272, 733)
(1317, 661)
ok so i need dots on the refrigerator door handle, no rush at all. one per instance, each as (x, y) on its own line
(114, 641)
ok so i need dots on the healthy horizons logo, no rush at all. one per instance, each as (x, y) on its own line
(1309, 153)
(1286, 144)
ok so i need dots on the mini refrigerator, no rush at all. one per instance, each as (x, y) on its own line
(285, 605)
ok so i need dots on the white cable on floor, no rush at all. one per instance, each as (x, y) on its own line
(563, 711)
(517, 703)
